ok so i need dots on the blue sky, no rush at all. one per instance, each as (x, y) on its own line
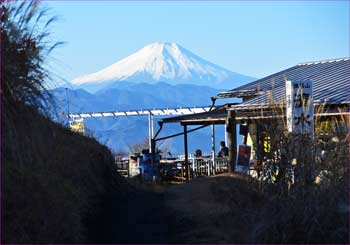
(254, 38)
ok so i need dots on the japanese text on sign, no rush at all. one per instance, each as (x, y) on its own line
(300, 109)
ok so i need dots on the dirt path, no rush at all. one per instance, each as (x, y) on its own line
(196, 212)
(211, 210)
(136, 217)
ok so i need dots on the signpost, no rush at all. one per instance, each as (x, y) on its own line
(243, 158)
(77, 125)
(300, 108)
(300, 123)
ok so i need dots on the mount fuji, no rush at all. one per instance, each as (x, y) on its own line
(161, 62)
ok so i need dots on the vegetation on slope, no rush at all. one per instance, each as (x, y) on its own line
(236, 209)
(53, 181)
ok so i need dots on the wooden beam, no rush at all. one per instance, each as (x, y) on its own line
(202, 122)
(232, 140)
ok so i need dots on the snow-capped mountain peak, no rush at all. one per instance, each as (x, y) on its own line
(161, 62)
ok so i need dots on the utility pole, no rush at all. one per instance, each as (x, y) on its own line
(67, 115)
(150, 131)
(212, 149)
(67, 100)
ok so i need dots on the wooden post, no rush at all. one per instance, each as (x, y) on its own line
(259, 146)
(153, 149)
(232, 139)
(259, 143)
(245, 133)
(226, 130)
(348, 131)
(186, 153)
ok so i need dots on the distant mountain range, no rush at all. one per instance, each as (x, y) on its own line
(159, 75)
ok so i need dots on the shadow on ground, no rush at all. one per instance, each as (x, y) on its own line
(194, 212)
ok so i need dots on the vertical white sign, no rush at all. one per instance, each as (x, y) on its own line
(300, 108)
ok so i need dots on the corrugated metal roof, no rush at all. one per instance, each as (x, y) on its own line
(331, 83)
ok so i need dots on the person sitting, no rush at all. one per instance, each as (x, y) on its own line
(223, 150)
(198, 153)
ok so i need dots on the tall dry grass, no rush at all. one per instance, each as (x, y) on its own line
(55, 184)
(305, 182)
(53, 181)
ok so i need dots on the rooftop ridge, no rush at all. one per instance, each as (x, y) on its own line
(323, 61)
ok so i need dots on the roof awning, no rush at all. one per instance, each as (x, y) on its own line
(216, 116)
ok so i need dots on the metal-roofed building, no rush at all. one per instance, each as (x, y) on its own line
(265, 99)
(331, 85)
